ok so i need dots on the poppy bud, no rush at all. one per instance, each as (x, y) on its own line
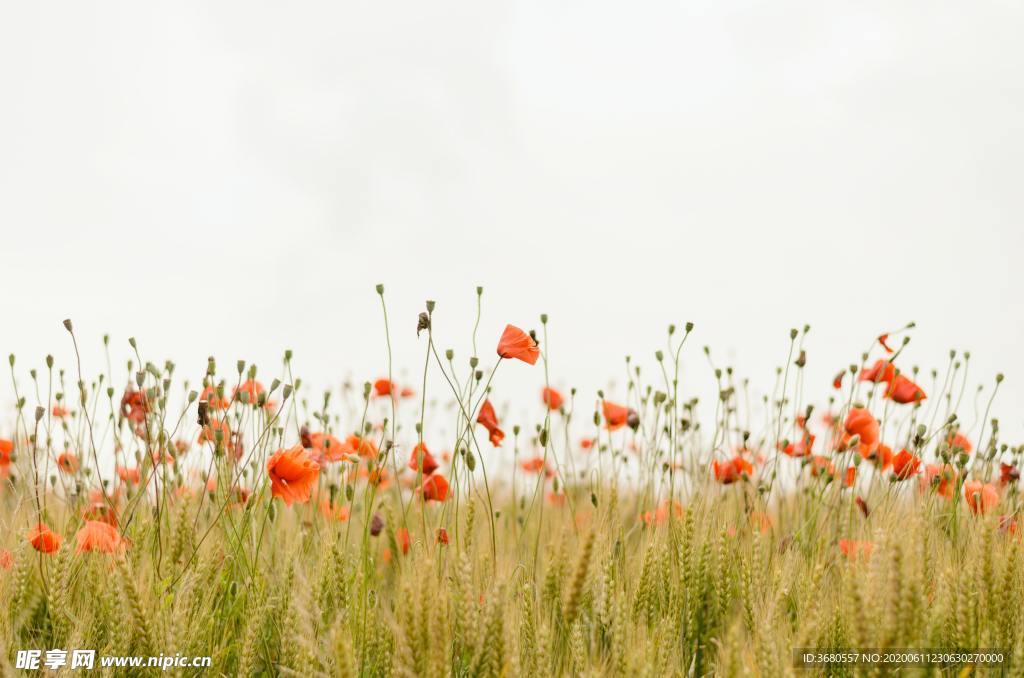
(999, 378)
(479, 375)
(543, 438)
(473, 362)
(272, 511)
(689, 327)
(793, 333)
(211, 366)
(659, 356)
(274, 384)
(349, 492)
(449, 354)
(110, 391)
(597, 418)
(671, 330)
(543, 318)
(470, 461)
(49, 361)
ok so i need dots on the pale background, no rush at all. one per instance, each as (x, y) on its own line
(233, 179)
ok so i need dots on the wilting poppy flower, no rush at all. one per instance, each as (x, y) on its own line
(856, 550)
(615, 416)
(99, 537)
(901, 390)
(402, 536)
(134, 406)
(863, 506)
(292, 474)
(213, 398)
(435, 488)
(837, 381)
(43, 539)
(489, 420)
(376, 525)
(421, 455)
(128, 475)
(552, 398)
(515, 343)
(732, 470)
(981, 497)
(941, 477)
(883, 340)
(328, 448)
(383, 387)
(1008, 474)
(905, 464)
(881, 371)
(958, 441)
(6, 559)
(441, 536)
(861, 423)
(59, 412)
(67, 463)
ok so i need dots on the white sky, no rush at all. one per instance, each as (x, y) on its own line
(233, 179)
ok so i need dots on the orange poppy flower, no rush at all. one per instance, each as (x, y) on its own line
(586, 443)
(837, 381)
(128, 475)
(958, 441)
(881, 456)
(862, 423)
(6, 559)
(981, 497)
(905, 465)
(364, 447)
(901, 390)
(100, 511)
(213, 399)
(1008, 524)
(883, 340)
(850, 477)
(556, 498)
(435, 488)
(134, 406)
(552, 398)
(43, 539)
(99, 537)
(421, 457)
(821, 466)
(489, 420)
(292, 474)
(209, 432)
(407, 392)
(441, 536)
(881, 371)
(732, 470)
(252, 390)
(615, 416)
(661, 514)
(799, 448)
(67, 463)
(515, 343)
(856, 550)
(328, 448)
(761, 521)
(337, 512)
(534, 465)
(383, 387)
(941, 477)
(6, 448)
(59, 412)
(402, 536)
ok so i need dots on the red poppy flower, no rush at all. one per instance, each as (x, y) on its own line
(383, 387)
(128, 475)
(515, 343)
(100, 537)
(903, 391)
(837, 381)
(59, 412)
(941, 477)
(851, 476)
(882, 370)
(1008, 474)
(799, 448)
(586, 443)
(421, 455)
(615, 416)
(407, 392)
(534, 465)
(339, 512)
(856, 550)
(293, 473)
(958, 441)
(821, 466)
(732, 470)
(863, 506)
(981, 497)
(67, 463)
(364, 447)
(905, 465)
(134, 406)
(402, 536)
(328, 448)
(883, 340)
(862, 423)
(43, 539)
(441, 536)
(489, 420)
(552, 398)
(209, 432)
(435, 488)
(6, 448)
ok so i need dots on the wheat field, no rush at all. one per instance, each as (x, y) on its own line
(282, 531)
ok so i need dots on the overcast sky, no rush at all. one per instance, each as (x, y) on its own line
(233, 179)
